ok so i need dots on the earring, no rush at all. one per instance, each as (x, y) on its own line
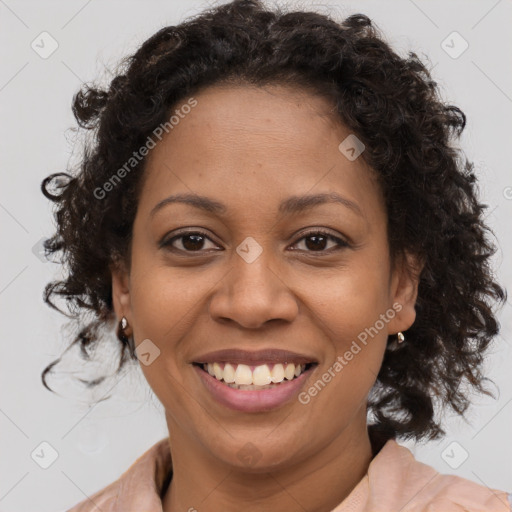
(400, 337)
(123, 324)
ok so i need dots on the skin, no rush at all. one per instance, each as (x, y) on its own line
(251, 148)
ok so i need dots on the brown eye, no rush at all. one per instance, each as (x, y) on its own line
(193, 241)
(318, 241)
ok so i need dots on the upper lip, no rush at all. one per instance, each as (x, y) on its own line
(239, 356)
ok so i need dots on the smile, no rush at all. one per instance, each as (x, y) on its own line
(246, 377)
(253, 388)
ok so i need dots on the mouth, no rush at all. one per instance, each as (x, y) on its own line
(253, 381)
(245, 377)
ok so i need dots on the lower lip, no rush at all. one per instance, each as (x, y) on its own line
(253, 400)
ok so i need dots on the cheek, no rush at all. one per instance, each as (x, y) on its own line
(352, 309)
(164, 379)
(349, 319)
(163, 313)
(347, 384)
(351, 300)
(165, 304)
(163, 300)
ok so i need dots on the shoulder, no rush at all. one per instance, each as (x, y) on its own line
(138, 488)
(396, 476)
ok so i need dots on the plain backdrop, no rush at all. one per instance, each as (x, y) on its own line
(95, 444)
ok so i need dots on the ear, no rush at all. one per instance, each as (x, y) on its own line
(404, 291)
(121, 291)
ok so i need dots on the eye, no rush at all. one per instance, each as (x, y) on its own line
(195, 241)
(318, 241)
(190, 241)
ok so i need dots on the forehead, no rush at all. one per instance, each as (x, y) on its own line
(250, 144)
(260, 119)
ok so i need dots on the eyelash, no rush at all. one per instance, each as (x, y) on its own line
(341, 243)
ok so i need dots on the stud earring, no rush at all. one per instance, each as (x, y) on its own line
(123, 324)
(400, 337)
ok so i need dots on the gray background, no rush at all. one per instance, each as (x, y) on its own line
(95, 444)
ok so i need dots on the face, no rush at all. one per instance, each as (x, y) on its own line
(263, 274)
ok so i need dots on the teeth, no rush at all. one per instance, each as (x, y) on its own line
(217, 371)
(277, 373)
(228, 373)
(261, 375)
(240, 376)
(289, 371)
(243, 374)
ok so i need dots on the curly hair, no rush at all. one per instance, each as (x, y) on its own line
(393, 106)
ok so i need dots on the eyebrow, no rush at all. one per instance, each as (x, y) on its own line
(291, 205)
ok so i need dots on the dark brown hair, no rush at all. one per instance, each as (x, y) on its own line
(393, 106)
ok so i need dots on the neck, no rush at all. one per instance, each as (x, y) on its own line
(318, 483)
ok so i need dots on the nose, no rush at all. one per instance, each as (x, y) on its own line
(253, 294)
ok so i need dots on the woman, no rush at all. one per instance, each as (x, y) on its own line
(273, 212)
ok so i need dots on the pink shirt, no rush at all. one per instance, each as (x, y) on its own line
(395, 481)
